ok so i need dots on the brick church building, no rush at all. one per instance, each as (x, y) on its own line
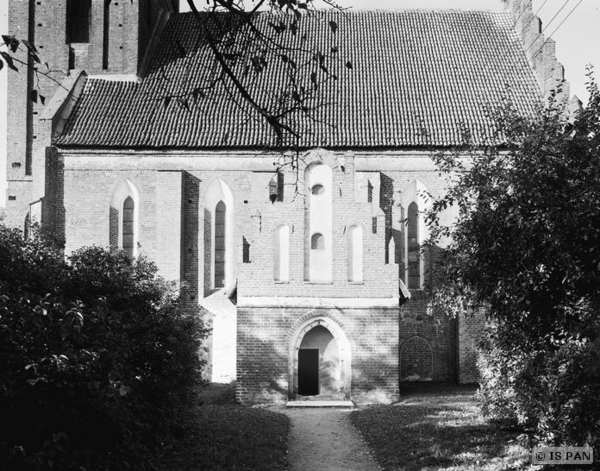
(310, 275)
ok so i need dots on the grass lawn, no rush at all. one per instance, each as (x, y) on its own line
(439, 428)
(219, 435)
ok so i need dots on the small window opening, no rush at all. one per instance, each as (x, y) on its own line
(105, 34)
(245, 250)
(317, 242)
(78, 21)
(369, 192)
(318, 189)
(280, 183)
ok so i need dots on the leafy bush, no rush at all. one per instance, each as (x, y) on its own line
(527, 246)
(97, 356)
(555, 395)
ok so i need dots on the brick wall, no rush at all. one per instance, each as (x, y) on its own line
(470, 330)
(43, 23)
(169, 198)
(175, 231)
(266, 339)
(87, 196)
(434, 337)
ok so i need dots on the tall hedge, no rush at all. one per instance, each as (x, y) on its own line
(96, 355)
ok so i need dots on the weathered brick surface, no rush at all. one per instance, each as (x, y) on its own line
(387, 344)
(266, 337)
(470, 331)
(43, 23)
(435, 338)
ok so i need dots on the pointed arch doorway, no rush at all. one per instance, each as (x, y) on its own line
(320, 361)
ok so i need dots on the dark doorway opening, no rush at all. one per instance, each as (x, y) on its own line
(308, 372)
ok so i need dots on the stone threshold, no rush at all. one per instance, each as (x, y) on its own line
(321, 404)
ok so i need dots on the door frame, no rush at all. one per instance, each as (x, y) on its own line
(344, 345)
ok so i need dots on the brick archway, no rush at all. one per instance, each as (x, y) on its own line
(345, 354)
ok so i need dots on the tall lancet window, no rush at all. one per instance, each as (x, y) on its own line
(124, 218)
(355, 255)
(281, 268)
(220, 238)
(128, 228)
(220, 217)
(413, 247)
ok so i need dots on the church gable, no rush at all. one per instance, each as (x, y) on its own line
(311, 268)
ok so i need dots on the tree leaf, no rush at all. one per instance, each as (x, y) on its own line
(30, 46)
(185, 103)
(198, 92)
(333, 25)
(349, 65)
(8, 60)
(11, 42)
(180, 48)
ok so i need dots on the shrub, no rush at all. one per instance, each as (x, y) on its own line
(527, 246)
(97, 356)
(554, 395)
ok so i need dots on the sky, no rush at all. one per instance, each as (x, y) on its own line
(573, 24)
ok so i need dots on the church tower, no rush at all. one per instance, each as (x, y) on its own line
(114, 37)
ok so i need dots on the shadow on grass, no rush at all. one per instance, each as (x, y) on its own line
(221, 435)
(435, 429)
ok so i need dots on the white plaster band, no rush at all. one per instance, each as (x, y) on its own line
(345, 303)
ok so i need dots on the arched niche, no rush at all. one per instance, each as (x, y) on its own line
(355, 254)
(281, 259)
(416, 359)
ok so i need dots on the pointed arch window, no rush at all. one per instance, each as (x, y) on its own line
(127, 226)
(220, 247)
(124, 218)
(281, 268)
(413, 247)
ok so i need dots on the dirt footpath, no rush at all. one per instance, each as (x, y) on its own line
(325, 440)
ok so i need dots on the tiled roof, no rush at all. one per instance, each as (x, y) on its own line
(412, 71)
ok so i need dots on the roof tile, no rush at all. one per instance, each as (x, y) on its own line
(413, 71)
